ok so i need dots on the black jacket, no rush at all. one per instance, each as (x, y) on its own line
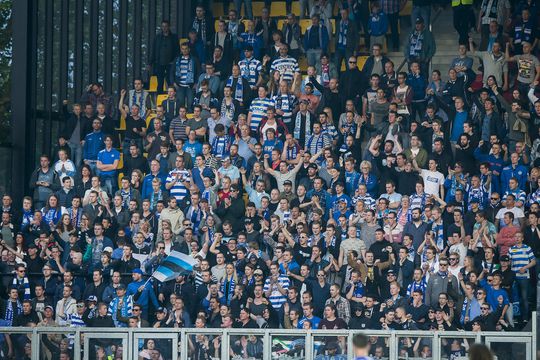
(234, 213)
(170, 49)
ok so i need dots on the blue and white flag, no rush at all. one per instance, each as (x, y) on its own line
(173, 265)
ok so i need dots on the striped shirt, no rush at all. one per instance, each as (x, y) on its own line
(418, 201)
(179, 191)
(317, 142)
(519, 194)
(330, 130)
(286, 66)
(521, 256)
(178, 127)
(250, 70)
(477, 194)
(277, 298)
(286, 103)
(183, 71)
(220, 146)
(258, 110)
(422, 286)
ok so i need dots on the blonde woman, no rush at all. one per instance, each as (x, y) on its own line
(228, 283)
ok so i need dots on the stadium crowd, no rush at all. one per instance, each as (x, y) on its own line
(370, 198)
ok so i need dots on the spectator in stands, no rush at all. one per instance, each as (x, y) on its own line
(44, 182)
(315, 40)
(164, 52)
(420, 47)
(377, 26)
(186, 74)
(391, 8)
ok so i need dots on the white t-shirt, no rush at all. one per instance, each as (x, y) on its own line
(518, 214)
(432, 181)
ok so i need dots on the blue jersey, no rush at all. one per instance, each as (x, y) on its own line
(258, 109)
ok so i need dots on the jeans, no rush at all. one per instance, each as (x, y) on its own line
(313, 56)
(164, 73)
(248, 8)
(185, 96)
(76, 153)
(305, 7)
(423, 11)
(109, 183)
(523, 289)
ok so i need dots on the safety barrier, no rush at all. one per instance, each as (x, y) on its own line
(184, 344)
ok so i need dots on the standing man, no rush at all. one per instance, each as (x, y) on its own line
(361, 347)
(164, 52)
(421, 46)
(463, 11)
(391, 8)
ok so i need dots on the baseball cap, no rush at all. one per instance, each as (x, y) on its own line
(505, 258)
(248, 48)
(32, 246)
(234, 188)
(258, 272)
(312, 166)
(419, 20)
(137, 271)
(390, 272)
(287, 182)
(49, 307)
(161, 310)
(121, 287)
(92, 298)
(248, 221)
(108, 249)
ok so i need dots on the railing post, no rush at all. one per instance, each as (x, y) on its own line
(534, 323)
(436, 345)
(77, 344)
(350, 350)
(225, 344)
(183, 345)
(309, 345)
(35, 344)
(267, 344)
(392, 345)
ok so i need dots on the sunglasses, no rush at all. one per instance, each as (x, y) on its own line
(258, 274)
(443, 264)
(484, 308)
(494, 198)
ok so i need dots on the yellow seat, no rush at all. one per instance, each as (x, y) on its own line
(121, 162)
(153, 84)
(122, 123)
(280, 23)
(333, 23)
(278, 9)
(149, 119)
(189, 116)
(407, 9)
(217, 9)
(304, 24)
(160, 99)
(343, 67)
(257, 8)
(360, 61)
(296, 7)
(302, 63)
(120, 176)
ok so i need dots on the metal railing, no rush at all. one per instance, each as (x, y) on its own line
(180, 344)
